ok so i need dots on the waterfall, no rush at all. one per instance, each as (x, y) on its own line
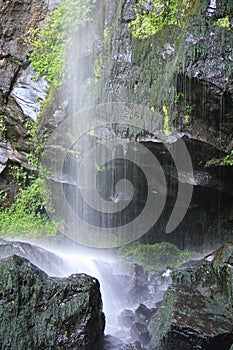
(108, 188)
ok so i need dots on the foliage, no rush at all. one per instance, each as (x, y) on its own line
(19, 174)
(3, 129)
(150, 19)
(228, 160)
(180, 97)
(223, 22)
(50, 44)
(26, 217)
(156, 256)
(166, 121)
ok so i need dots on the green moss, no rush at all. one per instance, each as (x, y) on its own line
(50, 44)
(228, 160)
(166, 121)
(151, 20)
(223, 22)
(161, 323)
(156, 256)
(26, 217)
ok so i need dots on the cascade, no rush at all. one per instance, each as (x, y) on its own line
(107, 187)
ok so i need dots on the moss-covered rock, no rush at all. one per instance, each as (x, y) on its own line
(197, 308)
(40, 312)
(156, 256)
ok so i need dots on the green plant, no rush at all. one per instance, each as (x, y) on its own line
(4, 198)
(223, 22)
(155, 256)
(50, 44)
(19, 174)
(166, 121)
(180, 97)
(151, 20)
(3, 129)
(228, 160)
(27, 217)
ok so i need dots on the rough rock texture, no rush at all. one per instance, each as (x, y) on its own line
(43, 259)
(197, 308)
(18, 93)
(41, 312)
(189, 71)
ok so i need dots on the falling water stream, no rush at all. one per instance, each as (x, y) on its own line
(107, 188)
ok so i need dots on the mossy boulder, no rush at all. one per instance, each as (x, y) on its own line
(41, 312)
(197, 307)
(156, 256)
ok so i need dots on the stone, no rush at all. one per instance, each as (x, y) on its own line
(140, 332)
(41, 312)
(17, 17)
(196, 309)
(127, 318)
(143, 313)
(128, 11)
(132, 346)
(189, 320)
(29, 93)
(139, 283)
(111, 343)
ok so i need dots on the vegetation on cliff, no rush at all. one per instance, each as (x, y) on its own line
(26, 217)
(48, 57)
(152, 17)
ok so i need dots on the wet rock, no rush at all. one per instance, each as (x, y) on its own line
(128, 11)
(16, 20)
(140, 332)
(142, 313)
(41, 312)
(196, 310)
(132, 346)
(191, 321)
(139, 283)
(8, 70)
(3, 158)
(127, 318)
(110, 343)
(28, 93)
(45, 260)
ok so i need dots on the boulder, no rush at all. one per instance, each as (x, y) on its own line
(111, 343)
(127, 317)
(197, 308)
(139, 283)
(143, 314)
(140, 332)
(41, 312)
(42, 258)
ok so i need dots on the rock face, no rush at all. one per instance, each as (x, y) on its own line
(187, 69)
(41, 312)
(19, 95)
(196, 311)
